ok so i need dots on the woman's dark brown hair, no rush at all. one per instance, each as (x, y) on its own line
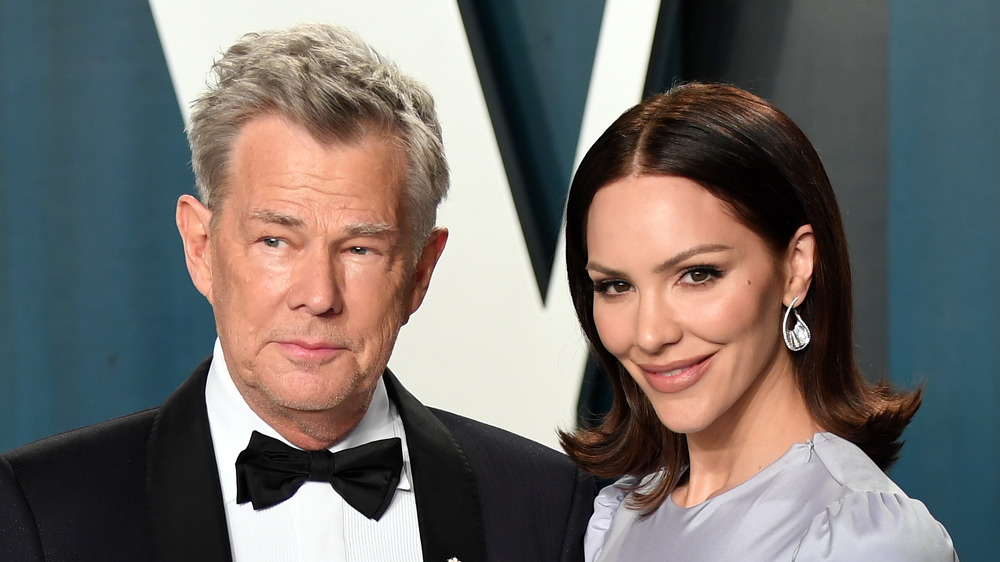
(751, 156)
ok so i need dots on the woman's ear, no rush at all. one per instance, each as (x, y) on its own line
(799, 259)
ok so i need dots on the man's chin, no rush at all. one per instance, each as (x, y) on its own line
(312, 395)
(311, 401)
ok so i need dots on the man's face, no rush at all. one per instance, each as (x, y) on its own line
(310, 273)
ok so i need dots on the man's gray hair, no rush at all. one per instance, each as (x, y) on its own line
(327, 80)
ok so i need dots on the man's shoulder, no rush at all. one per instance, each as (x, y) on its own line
(527, 490)
(499, 444)
(99, 442)
(79, 491)
(477, 440)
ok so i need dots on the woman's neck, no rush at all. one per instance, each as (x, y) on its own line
(767, 420)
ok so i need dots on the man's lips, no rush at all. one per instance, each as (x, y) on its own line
(311, 344)
(316, 350)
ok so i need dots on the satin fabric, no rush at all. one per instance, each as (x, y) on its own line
(823, 500)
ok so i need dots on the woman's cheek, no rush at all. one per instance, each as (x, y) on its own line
(612, 328)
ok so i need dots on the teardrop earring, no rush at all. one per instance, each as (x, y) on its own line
(798, 337)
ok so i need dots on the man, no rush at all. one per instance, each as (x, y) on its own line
(319, 168)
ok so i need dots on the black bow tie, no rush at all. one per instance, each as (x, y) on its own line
(269, 472)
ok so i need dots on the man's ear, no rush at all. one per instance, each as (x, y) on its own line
(799, 259)
(193, 221)
(424, 267)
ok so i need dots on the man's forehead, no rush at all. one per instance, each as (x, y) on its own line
(349, 133)
(259, 185)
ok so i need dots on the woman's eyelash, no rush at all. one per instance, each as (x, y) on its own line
(693, 275)
(610, 286)
(699, 274)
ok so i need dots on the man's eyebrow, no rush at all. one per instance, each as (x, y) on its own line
(354, 229)
(371, 229)
(274, 217)
(670, 263)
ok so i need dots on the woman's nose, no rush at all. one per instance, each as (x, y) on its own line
(656, 324)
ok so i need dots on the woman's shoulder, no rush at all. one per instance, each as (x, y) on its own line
(873, 525)
(849, 466)
(606, 505)
(872, 519)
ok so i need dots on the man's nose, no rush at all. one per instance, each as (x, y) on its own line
(316, 283)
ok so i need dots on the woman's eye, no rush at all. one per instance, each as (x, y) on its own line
(612, 287)
(700, 275)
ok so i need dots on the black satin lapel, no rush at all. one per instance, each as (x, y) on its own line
(448, 511)
(185, 497)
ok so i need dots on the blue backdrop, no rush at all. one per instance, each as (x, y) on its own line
(944, 258)
(97, 315)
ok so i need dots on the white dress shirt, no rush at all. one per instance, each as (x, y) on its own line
(315, 523)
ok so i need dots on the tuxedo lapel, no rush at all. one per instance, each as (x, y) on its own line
(448, 507)
(185, 497)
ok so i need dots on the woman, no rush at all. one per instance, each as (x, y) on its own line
(709, 270)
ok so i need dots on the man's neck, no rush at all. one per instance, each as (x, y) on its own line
(311, 430)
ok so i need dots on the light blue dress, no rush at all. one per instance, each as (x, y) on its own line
(822, 500)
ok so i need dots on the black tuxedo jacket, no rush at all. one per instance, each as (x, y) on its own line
(146, 487)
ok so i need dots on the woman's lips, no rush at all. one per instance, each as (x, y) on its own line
(676, 376)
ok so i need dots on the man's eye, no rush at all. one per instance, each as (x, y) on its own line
(271, 242)
(358, 250)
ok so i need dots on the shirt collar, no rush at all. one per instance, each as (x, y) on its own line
(231, 421)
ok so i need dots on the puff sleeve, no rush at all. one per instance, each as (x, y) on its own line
(606, 505)
(880, 526)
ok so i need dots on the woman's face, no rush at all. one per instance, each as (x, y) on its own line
(687, 298)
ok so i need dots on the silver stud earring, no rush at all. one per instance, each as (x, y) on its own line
(798, 337)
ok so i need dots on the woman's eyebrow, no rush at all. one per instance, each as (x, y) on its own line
(670, 263)
(690, 253)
